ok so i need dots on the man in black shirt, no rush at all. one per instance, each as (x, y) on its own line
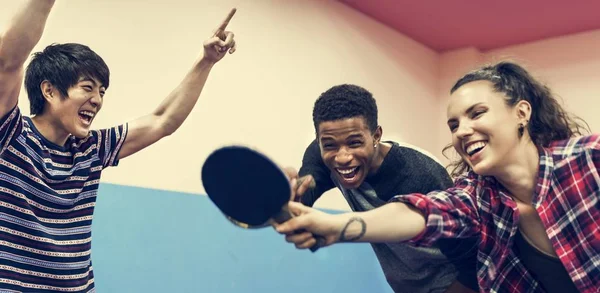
(349, 154)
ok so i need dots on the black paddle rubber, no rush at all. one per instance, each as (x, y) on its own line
(247, 186)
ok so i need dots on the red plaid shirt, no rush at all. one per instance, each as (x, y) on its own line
(567, 198)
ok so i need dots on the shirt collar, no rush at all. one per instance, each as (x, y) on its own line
(544, 179)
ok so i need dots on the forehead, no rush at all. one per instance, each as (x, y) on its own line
(343, 127)
(472, 93)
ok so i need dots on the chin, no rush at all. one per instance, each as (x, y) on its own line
(350, 186)
(353, 185)
(81, 133)
(482, 169)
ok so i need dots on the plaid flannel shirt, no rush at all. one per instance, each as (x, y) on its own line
(566, 198)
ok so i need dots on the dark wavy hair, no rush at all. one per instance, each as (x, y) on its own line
(549, 120)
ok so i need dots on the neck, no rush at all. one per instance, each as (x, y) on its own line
(382, 150)
(519, 174)
(50, 130)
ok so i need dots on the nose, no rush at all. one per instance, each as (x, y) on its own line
(96, 100)
(464, 130)
(343, 157)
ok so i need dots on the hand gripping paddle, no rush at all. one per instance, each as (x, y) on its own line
(248, 188)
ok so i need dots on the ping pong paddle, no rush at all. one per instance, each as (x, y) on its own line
(248, 188)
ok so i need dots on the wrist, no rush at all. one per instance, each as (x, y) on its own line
(351, 227)
(205, 63)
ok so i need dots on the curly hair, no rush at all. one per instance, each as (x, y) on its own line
(549, 120)
(345, 101)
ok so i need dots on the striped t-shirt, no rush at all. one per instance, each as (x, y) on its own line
(47, 199)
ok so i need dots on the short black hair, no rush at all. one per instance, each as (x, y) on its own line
(345, 101)
(62, 65)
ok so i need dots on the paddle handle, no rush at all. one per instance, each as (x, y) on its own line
(284, 215)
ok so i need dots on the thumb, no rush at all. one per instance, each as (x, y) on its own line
(300, 221)
(290, 225)
(290, 172)
(304, 183)
(298, 209)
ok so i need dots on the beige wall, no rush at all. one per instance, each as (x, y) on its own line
(288, 53)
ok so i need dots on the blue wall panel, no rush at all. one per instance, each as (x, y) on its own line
(147, 240)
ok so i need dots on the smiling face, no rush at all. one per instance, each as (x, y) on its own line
(483, 126)
(74, 114)
(348, 149)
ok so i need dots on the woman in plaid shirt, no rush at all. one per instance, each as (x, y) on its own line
(528, 188)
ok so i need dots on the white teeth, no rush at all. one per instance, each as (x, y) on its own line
(87, 113)
(346, 171)
(475, 146)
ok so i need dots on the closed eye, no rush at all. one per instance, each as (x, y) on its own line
(477, 114)
(453, 128)
(355, 143)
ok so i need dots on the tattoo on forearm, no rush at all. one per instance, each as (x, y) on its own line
(354, 230)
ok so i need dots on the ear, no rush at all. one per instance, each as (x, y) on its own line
(377, 134)
(48, 91)
(523, 109)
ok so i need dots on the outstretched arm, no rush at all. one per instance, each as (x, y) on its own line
(394, 222)
(176, 107)
(16, 42)
(417, 217)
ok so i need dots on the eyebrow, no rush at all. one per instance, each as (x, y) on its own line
(469, 110)
(91, 80)
(329, 138)
(356, 135)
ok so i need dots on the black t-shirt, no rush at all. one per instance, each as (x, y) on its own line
(404, 170)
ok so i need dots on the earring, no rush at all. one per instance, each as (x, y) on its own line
(521, 128)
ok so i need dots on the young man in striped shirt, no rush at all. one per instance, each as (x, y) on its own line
(50, 164)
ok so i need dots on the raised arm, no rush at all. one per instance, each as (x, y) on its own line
(176, 107)
(16, 43)
(419, 218)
